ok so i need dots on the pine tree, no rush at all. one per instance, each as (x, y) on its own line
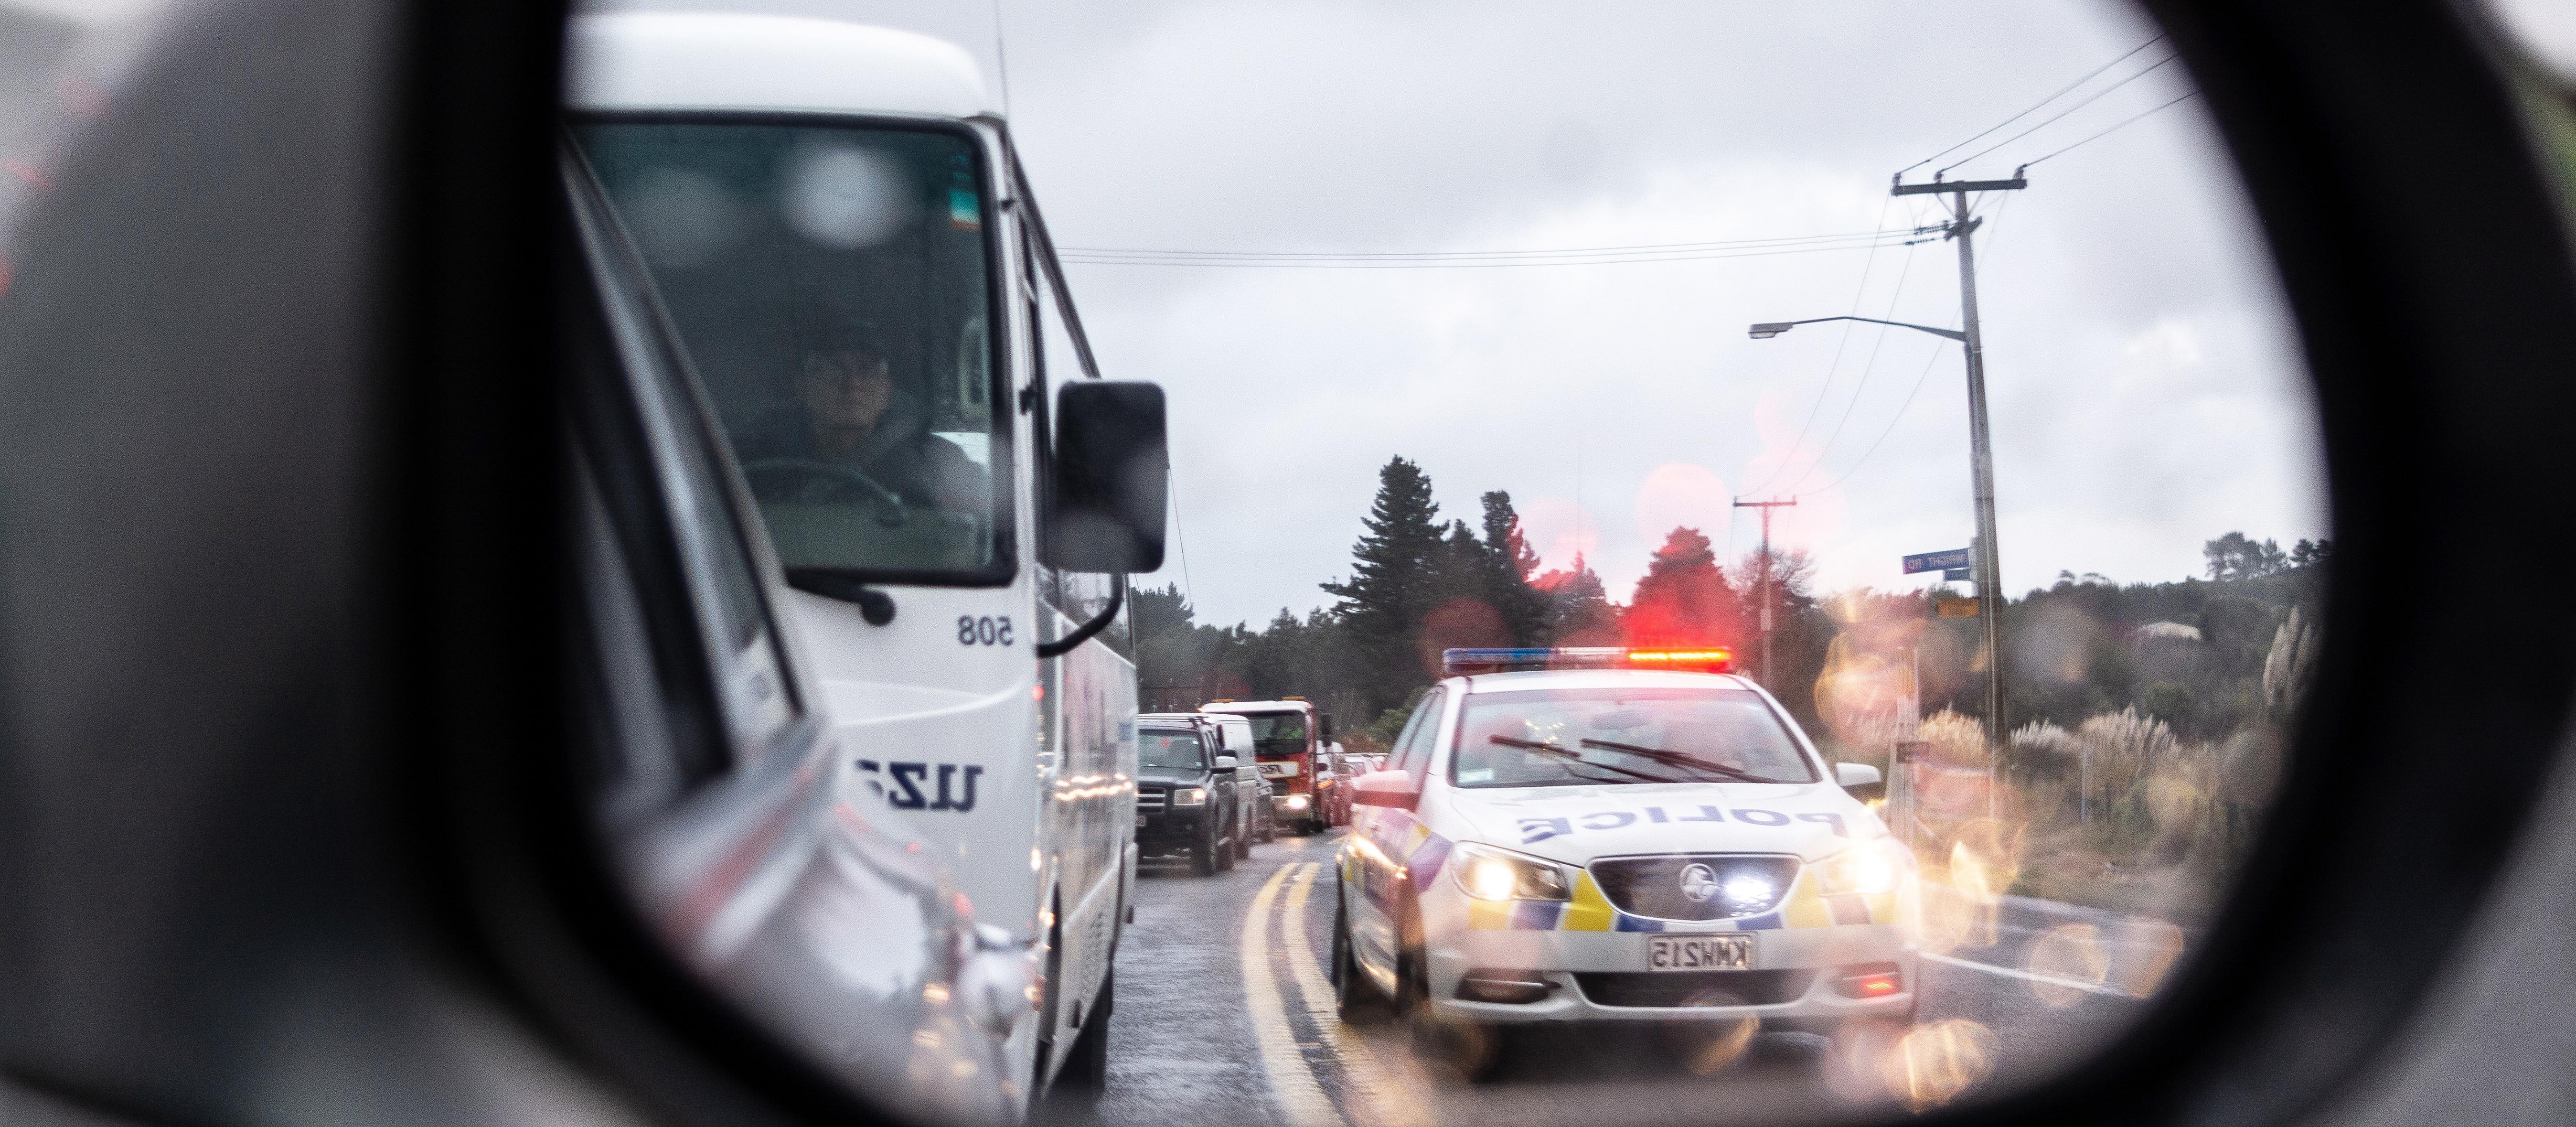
(1459, 569)
(1462, 610)
(1159, 611)
(1393, 581)
(1684, 598)
(1510, 566)
(1580, 612)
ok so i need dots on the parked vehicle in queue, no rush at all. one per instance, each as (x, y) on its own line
(1289, 736)
(1591, 835)
(1189, 799)
(1337, 792)
(841, 235)
(1255, 790)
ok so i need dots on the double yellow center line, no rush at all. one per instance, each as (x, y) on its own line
(1372, 1096)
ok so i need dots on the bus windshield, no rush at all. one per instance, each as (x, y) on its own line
(830, 284)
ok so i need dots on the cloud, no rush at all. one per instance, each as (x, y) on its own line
(2144, 377)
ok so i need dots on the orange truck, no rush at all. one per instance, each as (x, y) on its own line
(1289, 739)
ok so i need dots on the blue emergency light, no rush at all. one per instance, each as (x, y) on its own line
(1696, 659)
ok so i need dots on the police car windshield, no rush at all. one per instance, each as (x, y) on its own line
(1169, 749)
(830, 284)
(1570, 737)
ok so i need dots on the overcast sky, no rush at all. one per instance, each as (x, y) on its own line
(2146, 390)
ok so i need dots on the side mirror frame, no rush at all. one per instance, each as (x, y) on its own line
(1324, 725)
(1860, 780)
(1226, 763)
(1394, 790)
(1111, 479)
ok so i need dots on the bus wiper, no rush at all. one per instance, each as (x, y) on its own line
(1570, 753)
(875, 606)
(1679, 759)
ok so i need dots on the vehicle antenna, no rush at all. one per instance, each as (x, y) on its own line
(1001, 59)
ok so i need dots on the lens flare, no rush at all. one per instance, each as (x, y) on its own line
(2152, 946)
(1933, 1064)
(1708, 1049)
(2067, 954)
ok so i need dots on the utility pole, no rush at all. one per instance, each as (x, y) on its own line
(1768, 681)
(1981, 457)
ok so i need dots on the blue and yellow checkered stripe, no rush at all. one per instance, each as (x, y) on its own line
(1398, 834)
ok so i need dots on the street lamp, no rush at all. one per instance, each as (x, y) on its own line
(1981, 472)
(1769, 329)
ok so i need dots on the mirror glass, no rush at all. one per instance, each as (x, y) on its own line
(1915, 394)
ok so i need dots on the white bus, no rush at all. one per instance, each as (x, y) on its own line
(841, 237)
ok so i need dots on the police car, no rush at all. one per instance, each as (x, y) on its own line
(1617, 835)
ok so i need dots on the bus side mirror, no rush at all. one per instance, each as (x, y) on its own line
(1112, 479)
(1324, 724)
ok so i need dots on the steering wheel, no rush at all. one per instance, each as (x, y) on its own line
(891, 512)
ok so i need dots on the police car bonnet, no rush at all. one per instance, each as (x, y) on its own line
(1812, 820)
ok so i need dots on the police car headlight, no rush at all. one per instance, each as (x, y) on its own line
(1869, 867)
(1491, 874)
(1189, 796)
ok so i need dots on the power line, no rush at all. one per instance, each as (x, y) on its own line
(2053, 118)
(1708, 244)
(1891, 425)
(2124, 124)
(1259, 264)
(1876, 343)
(1189, 590)
(1928, 361)
(1831, 367)
(2035, 106)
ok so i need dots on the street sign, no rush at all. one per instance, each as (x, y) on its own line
(1955, 574)
(1936, 561)
(1955, 608)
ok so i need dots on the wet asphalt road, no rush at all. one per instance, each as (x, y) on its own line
(1224, 1016)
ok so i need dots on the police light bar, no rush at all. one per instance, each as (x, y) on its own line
(1697, 659)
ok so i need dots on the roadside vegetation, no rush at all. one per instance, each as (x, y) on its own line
(2147, 720)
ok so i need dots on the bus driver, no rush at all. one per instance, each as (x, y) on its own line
(849, 416)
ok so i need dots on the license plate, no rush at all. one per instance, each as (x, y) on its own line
(1699, 952)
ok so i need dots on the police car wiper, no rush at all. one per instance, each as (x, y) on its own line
(1679, 759)
(1570, 753)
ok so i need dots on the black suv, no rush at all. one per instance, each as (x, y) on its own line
(1186, 799)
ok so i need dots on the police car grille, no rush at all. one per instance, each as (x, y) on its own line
(1654, 886)
(1151, 799)
(1706, 988)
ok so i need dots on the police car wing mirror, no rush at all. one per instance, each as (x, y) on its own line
(1112, 478)
(1225, 763)
(1393, 789)
(1861, 779)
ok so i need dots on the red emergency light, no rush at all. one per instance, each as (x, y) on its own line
(1692, 659)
